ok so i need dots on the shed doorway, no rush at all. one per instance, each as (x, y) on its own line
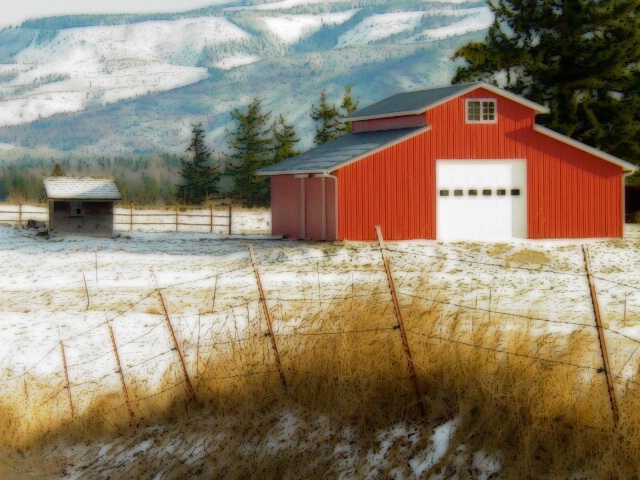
(481, 199)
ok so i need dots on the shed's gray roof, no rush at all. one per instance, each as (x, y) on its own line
(332, 155)
(83, 188)
(413, 103)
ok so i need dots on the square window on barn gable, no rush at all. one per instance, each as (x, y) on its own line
(481, 110)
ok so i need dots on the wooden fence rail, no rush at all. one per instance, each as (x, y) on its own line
(209, 218)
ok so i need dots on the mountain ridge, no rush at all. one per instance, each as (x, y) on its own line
(135, 88)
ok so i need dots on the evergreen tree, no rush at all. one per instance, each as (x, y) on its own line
(578, 57)
(57, 171)
(331, 124)
(284, 139)
(348, 106)
(251, 146)
(199, 177)
(329, 119)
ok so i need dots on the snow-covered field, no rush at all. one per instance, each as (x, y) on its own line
(63, 294)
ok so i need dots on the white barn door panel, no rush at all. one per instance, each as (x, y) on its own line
(481, 199)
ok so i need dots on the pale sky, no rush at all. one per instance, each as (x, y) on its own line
(16, 11)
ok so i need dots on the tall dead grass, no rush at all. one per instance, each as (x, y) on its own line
(538, 399)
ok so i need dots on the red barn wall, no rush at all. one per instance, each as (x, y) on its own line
(570, 192)
(285, 206)
(313, 205)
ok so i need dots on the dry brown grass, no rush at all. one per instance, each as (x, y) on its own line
(547, 419)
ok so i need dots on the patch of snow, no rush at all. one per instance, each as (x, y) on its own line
(283, 5)
(478, 21)
(292, 28)
(7, 146)
(486, 465)
(378, 27)
(228, 63)
(441, 439)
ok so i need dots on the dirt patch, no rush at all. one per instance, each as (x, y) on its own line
(499, 249)
(528, 256)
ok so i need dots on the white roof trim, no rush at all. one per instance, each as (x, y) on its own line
(626, 166)
(352, 160)
(498, 91)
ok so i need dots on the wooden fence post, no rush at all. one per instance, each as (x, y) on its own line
(120, 371)
(211, 230)
(190, 391)
(66, 377)
(603, 345)
(229, 219)
(263, 300)
(403, 333)
(176, 218)
(131, 218)
(19, 215)
(86, 290)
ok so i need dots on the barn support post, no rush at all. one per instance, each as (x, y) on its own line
(190, 390)
(120, 372)
(403, 333)
(66, 377)
(603, 346)
(267, 315)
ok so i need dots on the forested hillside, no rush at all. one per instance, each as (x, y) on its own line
(130, 85)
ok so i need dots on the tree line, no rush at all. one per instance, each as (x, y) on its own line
(255, 142)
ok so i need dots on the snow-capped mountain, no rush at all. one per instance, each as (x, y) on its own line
(89, 85)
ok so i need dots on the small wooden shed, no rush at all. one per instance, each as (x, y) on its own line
(81, 206)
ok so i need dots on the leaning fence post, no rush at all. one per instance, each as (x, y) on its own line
(120, 371)
(190, 391)
(603, 345)
(267, 315)
(403, 333)
(66, 377)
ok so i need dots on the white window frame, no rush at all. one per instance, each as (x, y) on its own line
(482, 112)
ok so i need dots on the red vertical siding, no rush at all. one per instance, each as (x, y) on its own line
(570, 193)
(285, 206)
(393, 188)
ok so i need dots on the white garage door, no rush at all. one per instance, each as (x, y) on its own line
(481, 200)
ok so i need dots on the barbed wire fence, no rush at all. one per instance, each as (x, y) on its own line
(183, 357)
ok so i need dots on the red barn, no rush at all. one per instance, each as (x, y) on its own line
(465, 162)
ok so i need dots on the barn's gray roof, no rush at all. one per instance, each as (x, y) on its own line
(82, 188)
(414, 103)
(334, 154)
(410, 101)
